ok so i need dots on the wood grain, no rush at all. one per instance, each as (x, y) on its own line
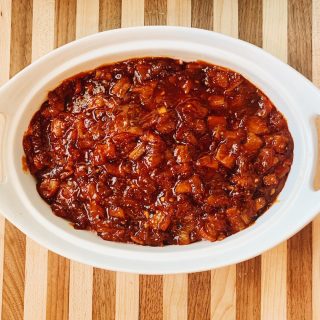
(300, 36)
(58, 287)
(5, 26)
(300, 269)
(155, 12)
(35, 294)
(274, 262)
(202, 14)
(225, 19)
(13, 273)
(127, 296)
(278, 285)
(248, 301)
(104, 295)
(199, 296)
(80, 291)
(150, 288)
(179, 13)
(223, 293)
(175, 297)
(87, 17)
(223, 280)
(132, 14)
(65, 21)
(250, 21)
(109, 14)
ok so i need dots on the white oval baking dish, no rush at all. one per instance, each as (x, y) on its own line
(294, 96)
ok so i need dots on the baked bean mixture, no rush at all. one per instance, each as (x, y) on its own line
(158, 151)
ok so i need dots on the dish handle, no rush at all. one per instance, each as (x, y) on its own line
(3, 130)
(316, 183)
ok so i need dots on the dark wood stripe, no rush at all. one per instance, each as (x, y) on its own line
(248, 305)
(250, 21)
(65, 30)
(58, 287)
(150, 300)
(299, 274)
(109, 14)
(202, 14)
(199, 284)
(248, 282)
(300, 36)
(104, 282)
(13, 271)
(155, 12)
(104, 295)
(199, 293)
(300, 270)
(21, 35)
(15, 240)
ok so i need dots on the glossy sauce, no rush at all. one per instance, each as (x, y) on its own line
(158, 151)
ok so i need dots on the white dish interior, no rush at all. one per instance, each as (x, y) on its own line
(291, 93)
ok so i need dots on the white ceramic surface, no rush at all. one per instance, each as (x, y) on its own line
(294, 96)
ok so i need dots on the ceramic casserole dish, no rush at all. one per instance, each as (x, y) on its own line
(295, 96)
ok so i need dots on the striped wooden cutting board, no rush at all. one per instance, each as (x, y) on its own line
(283, 283)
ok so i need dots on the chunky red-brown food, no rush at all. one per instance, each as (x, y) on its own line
(158, 151)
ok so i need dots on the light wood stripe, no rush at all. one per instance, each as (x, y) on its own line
(223, 293)
(80, 291)
(175, 297)
(223, 280)
(110, 14)
(299, 280)
(127, 296)
(225, 19)
(274, 262)
(132, 14)
(5, 26)
(316, 222)
(81, 276)
(35, 295)
(179, 13)
(87, 19)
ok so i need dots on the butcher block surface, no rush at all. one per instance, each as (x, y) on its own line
(283, 283)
